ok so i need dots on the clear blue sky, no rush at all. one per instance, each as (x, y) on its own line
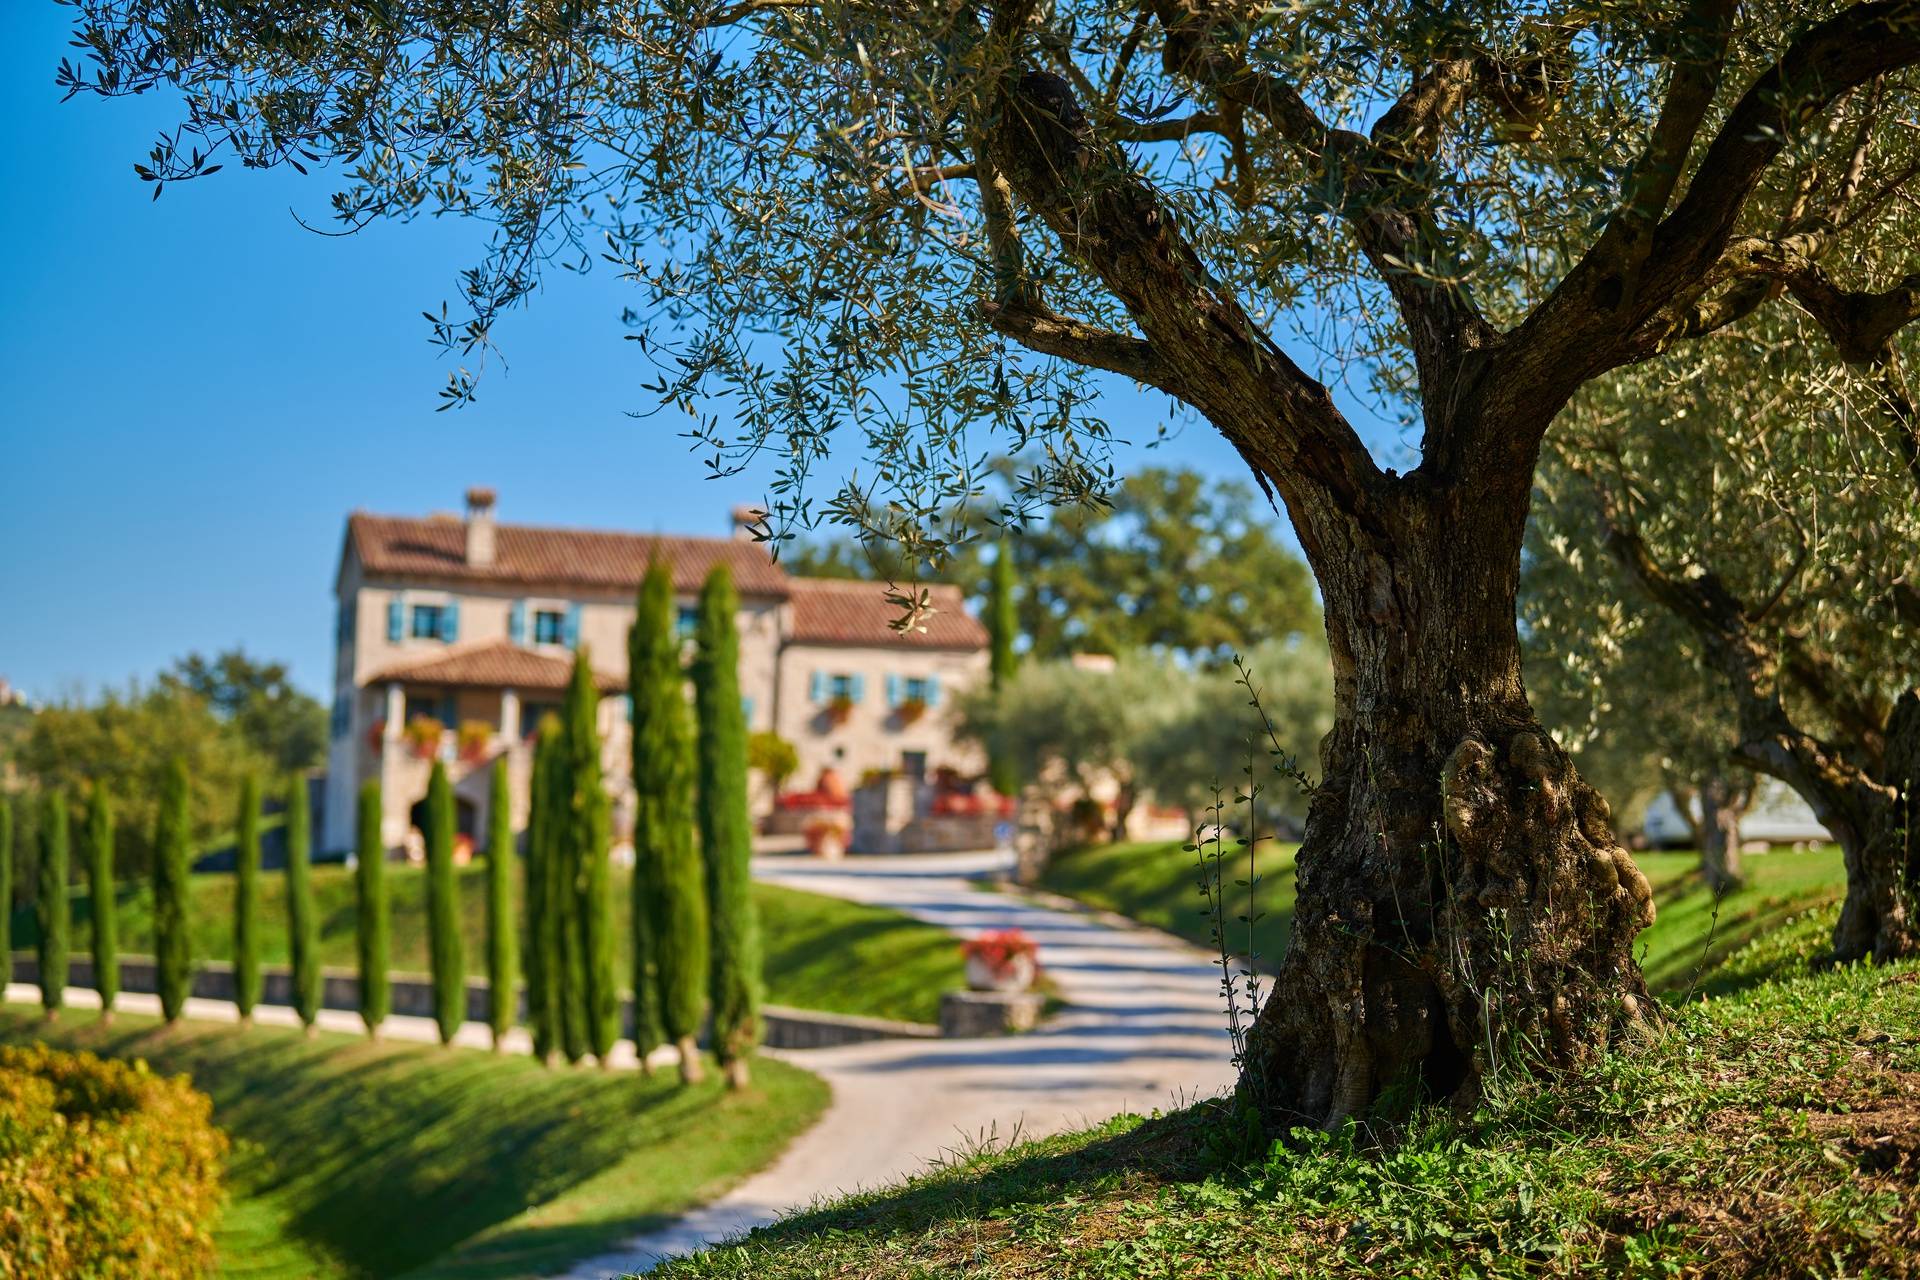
(195, 392)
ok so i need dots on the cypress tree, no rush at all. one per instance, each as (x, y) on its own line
(501, 977)
(51, 903)
(303, 915)
(370, 884)
(1002, 769)
(172, 936)
(669, 897)
(106, 940)
(726, 837)
(246, 901)
(443, 909)
(6, 894)
(542, 949)
(589, 831)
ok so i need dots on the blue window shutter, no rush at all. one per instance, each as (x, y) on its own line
(570, 634)
(855, 686)
(933, 691)
(396, 620)
(517, 623)
(893, 690)
(746, 709)
(817, 687)
(450, 622)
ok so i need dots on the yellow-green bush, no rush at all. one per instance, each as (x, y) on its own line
(106, 1170)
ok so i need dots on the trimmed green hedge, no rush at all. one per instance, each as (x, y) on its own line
(106, 1169)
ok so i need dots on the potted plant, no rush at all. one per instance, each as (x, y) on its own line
(377, 735)
(827, 837)
(476, 737)
(423, 734)
(1004, 960)
(839, 709)
(910, 711)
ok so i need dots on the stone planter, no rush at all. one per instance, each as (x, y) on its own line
(1017, 974)
(828, 842)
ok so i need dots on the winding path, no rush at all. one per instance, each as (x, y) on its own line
(1142, 1029)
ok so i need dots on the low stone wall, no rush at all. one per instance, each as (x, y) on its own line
(413, 996)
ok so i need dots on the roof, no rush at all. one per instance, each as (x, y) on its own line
(491, 664)
(852, 612)
(529, 555)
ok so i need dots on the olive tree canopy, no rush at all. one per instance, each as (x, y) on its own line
(929, 226)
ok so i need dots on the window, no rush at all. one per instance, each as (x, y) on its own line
(435, 706)
(914, 764)
(840, 687)
(916, 689)
(531, 713)
(686, 622)
(549, 627)
(429, 621)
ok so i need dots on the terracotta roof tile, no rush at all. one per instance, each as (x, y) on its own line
(491, 664)
(848, 611)
(529, 555)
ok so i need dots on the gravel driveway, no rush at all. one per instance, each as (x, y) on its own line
(1142, 1029)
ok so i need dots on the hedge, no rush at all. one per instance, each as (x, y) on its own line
(106, 1170)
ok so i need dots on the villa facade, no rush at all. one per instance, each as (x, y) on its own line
(456, 634)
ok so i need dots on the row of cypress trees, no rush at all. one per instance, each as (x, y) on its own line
(695, 940)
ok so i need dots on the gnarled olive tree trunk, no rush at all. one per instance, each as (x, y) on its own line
(1462, 902)
(1716, 832)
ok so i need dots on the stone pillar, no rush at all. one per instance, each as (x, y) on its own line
(510, 716)
(396, 711)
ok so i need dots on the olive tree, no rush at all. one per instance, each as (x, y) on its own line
(1783, 540)
(973, 217)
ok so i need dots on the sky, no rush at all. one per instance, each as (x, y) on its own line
(195, 392)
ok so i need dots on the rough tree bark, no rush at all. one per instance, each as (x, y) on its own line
(1716, 833)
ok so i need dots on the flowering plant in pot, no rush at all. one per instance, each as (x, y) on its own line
(839, 708)
(476, 736)
(827, 837)
(1003, 960)
(423, 734)
(377, 735)
(910, 711)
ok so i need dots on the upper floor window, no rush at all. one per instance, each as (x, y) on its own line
(840, 686)
(549, 626)
(915, 689)
(429, 620)
(686, 622)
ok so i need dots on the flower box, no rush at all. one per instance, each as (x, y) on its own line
(1004, 960)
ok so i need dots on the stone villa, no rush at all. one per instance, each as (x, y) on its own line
(456, 634)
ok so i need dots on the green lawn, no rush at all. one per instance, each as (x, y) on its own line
(821, 953)
(369, 1160)
(1772, 1133)
(1157, 884)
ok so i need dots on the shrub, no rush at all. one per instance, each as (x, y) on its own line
(587, 833)
(303, 914)
(172, 932)
(106, 942)
(247, 981)
(501, 965)
(51, 903)
(443, 910)
(105, 1169)
(370, 932)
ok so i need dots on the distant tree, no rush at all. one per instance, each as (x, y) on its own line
(6, 893)
(370, 885)
(1780, 534)
(726, 835)
(502, 977)
(106, 941)
(247, 978)
(1205, 732)
(443, 909)
(128, 741)
(1077, 724)
(545, 962)
(51, 905)
(588, 836)
(172, 913)
(773, 758)
(669, 892)
(287, 727)
(303, 913)
(1003, 627)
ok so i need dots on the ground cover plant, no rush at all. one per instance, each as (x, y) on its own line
(352, 1158)
(1773, 1132)
(820, 953)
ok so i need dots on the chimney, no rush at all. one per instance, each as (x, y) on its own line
(746, 520)
(480, 527)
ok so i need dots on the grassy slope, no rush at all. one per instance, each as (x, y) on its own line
(1771, 1133)
(821, 953)
(1157, 884)
(359, 1159)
